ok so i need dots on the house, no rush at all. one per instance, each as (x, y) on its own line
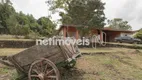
(105, 34)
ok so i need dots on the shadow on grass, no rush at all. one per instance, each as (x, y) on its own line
(74, 74)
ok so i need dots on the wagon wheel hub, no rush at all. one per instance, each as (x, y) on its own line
(41, 76)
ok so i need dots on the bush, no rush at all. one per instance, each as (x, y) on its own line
(19, 30)
(32, 35)
(139, 35)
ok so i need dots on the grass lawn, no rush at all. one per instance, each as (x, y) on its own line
(7, 73)
(97, 50)
(91, 50)
(119, 64)
(127, 44)
(126, 64)
(10, 51)
(12, 38)
(7, 37)
(16, 40)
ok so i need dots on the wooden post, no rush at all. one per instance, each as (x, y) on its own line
(77, 34)
(65, 31)
(101, 35)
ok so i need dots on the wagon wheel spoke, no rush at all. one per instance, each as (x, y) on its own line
(34, 70)
(35, 76)
(37, 67)
(46, 67)
(48, 72)
(41, 66)
(51, 77)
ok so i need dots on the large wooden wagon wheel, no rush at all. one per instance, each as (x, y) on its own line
(43, 69)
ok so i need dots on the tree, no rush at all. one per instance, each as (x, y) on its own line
(138, 34)
(15, 28)
(6, 10)
(22, 24)
(119, 24)
(80, 12)
(22, 18)
(47, 27)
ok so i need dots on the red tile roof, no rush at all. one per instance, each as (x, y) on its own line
(104, 29)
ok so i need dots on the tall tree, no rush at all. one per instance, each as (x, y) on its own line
(19, 23)
(80, 12)
(6, 10)
(15, 28)
(119, 24)
(22, 18)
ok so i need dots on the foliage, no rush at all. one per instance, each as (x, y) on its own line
(18, 23)
(139, 35)
(80, 12)
(119, 24)
(32, 35)
(22, 18)
(6, 10)
(46, 26)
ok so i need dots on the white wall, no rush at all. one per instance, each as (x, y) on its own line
(128, 34)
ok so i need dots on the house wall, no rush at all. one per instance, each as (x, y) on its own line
(111, 35)
(69, 32)
(95, 31)
(73, 32)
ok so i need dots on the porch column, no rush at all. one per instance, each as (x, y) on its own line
(77, 34)
(64, 32)
(101, 35)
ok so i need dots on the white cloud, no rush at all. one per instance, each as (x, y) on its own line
(36, 7)
(129, 10)
(111, 7)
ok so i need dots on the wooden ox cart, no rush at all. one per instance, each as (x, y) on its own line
(40, 62)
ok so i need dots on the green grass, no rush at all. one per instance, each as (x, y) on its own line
(13, 38)
(7, 37)
(127, 44)
(10, 51)
(113, 66)
(4, 70)
(16, 40)
(92, 50)
(7, 73)
(119, 64)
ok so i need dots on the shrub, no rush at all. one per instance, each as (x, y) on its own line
(139, 35)
(32, 35)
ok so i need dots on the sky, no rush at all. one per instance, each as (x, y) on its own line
(129, 10)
